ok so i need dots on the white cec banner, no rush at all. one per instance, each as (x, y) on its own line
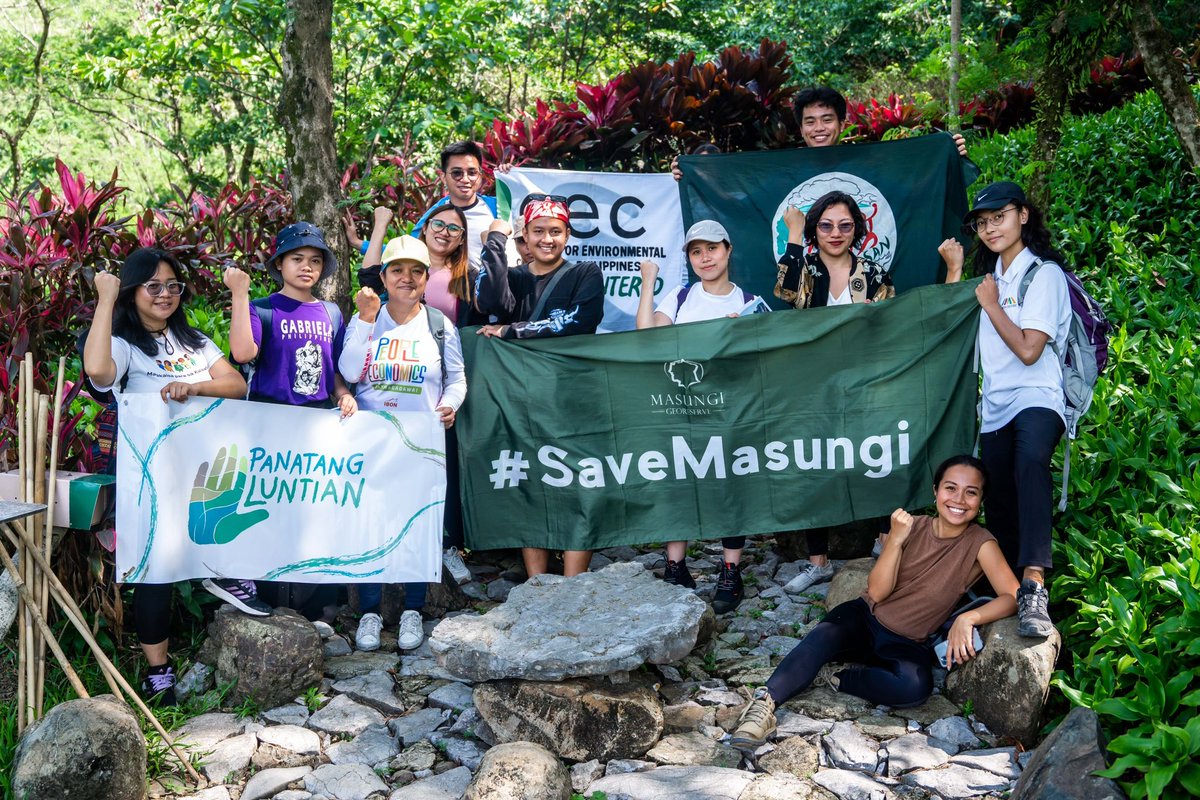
(618, 220)
(226, 488)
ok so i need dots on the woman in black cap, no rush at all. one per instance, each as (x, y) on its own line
(1023, 325)
(140, 341)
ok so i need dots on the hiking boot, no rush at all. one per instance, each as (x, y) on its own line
(677, 574)
(756, 723)
(810, 575)
(158, 686)
(1033, 616)
(828, 676)
(242, 595)
(453, 563)
(729, 589)
(411, 631)
(367, 635)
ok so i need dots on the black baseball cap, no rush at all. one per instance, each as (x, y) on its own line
(995, 195)
(295, 236)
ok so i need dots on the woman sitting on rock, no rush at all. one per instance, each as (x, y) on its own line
(927, 565)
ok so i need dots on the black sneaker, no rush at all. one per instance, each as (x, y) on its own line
(158, 687)
(242, 595)
(729, 589)
(677, 574)
(1033, 616)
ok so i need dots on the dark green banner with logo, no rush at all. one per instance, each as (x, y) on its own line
(773, 422)
(911, 191)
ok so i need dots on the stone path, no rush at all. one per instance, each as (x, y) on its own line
(397, 727)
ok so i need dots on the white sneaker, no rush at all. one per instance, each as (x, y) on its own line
(453, 562)
(810, 574)
(877, 548)
(369, 628)
(411, 631)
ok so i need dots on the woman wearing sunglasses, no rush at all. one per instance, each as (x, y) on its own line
(140, 341)
(831, 274)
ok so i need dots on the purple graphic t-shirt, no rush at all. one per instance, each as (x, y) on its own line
(297, 357)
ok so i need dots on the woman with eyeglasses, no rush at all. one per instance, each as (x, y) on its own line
(140, 341)
(1024, 320)
(830, 273)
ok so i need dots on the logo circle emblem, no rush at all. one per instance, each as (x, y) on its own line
(879, 245)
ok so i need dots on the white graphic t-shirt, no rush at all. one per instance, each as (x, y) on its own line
(171, 363)
(398, 368)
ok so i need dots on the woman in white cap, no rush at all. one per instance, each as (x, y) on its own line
(708, 249)
(416, 377)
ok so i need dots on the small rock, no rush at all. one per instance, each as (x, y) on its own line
(955, 782)
(676, 693)
(935, 708)
(686, 717)
(211, 793)
(916, 751)
(519, 771)
(849, 748)
(675, 783)
(779, 645)
(1063, 765)
(719, 697)
(797, 756)
(782, 787)
(376, 689)
(694, 749)
(204, 731)
(824, 703)
(470, 725)
(851, 785)
(584, 773)
(289, 714)
(415, 726)
(621, 766)
(360, 663)
(198, 679)
(449, 785)
(454, 696)
(295, 794)
(292, 737)
(421, 755)
(998, 760)
(956, 731)
(323, 629)
(343, 715)
(229, 757)
(373, 745)
(883, 726)
(792, 724)
(498, 589)
(337, 646)
(669, 673)
(460, 751)
(344, 781)
(269, 782)
(848, 583)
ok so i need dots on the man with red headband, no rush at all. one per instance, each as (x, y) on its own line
(547, 297)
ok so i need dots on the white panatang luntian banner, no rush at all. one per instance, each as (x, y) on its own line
(227, 488)
(618, 220)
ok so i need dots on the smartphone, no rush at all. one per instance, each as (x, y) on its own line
(940, 648)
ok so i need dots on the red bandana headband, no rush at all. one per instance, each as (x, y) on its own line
(555, 209)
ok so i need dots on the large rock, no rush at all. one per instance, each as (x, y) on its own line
(694, 749)
(1062, 765)
(578, 719)
(520, 771)
(675, 783)
(1007, 682)
(784, 787)
(849, 582)
(270, 659)
(82, 749)
(553, 628)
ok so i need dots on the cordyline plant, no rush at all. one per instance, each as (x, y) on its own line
(395, 180)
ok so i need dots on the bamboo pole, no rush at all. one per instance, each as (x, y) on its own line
(75, 616)
(43, 586)
(23, 470)
(47, 634)
(37, 649)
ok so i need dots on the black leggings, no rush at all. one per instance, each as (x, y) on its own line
(452, 518)
(898, 671)
(152, 612)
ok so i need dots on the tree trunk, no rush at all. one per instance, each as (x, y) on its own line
(1052, 89)
(1167, 76)
(955, 43)
(306, 113)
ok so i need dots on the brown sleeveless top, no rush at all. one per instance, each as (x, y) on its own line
(934, 574)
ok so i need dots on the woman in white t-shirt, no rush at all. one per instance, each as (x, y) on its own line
(140, 341)
(391, 354)
(708, 249)
(1023, 326)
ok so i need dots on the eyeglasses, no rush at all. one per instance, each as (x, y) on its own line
(458, 173)
(437, 226)
(172, 288)
(843, 227)
(982, 223)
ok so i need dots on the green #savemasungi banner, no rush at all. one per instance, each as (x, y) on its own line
(228, 488)
(911, 191)
(761, 424)
(618, 220)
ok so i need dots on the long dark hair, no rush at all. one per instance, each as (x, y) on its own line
(823, 204)
(963, 460)
(138, 268)
(457, 260)
(1034, 235)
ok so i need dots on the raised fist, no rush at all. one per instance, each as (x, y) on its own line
(237, 281)
(368, 304)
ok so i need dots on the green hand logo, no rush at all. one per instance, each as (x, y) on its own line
(213, 517)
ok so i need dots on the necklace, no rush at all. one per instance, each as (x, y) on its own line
(161, 333)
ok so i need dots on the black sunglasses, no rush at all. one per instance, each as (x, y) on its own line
(538, 196)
